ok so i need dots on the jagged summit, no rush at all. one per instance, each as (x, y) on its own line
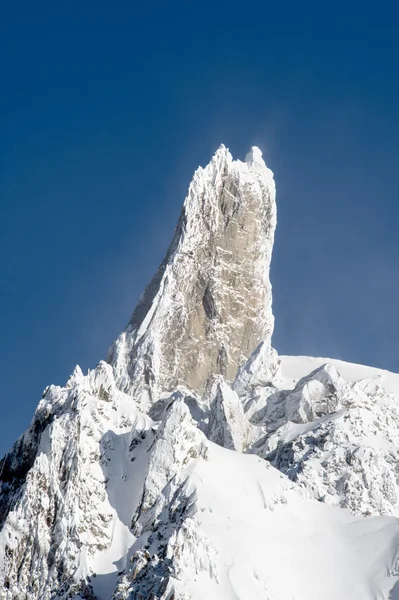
(209, 304)
(254, 156)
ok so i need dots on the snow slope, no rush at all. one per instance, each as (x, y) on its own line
(248, 532)
(271, 543)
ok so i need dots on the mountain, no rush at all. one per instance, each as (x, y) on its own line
(194, 462)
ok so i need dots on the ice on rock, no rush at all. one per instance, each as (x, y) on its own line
(75, 378)
(339, 438)
(165, 515)
(209, 304)
(56, 515)
(227, 425)
(322, 392)
(177, 441)
(261, 369)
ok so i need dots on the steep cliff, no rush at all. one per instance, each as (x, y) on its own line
(209, 304)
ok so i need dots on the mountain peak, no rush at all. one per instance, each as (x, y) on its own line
(254, 156)
(209, 304)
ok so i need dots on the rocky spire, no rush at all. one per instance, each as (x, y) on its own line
(209, 304)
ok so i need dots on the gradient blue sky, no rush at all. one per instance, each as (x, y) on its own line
(105, 111)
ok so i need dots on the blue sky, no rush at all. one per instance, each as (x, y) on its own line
(106, 110)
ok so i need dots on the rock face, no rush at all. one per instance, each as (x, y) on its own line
(227, 424)
(195, 463)
(209, 304)
(62, 492)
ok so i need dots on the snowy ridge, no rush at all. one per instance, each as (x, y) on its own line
(51, 532)
(345, 451)
(196, 463)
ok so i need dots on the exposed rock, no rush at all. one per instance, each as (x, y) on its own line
(261, 369)
(209, 305)
(56, 512)
(178, 441)
(135, 481)
(227, 424)
(322, 392)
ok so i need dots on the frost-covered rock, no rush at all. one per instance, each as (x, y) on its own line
(227, 425)
(177, 441)
(261, 369)
(317, 394)
(340, 439)
(209, 305)
(57, 509)
(165, 515)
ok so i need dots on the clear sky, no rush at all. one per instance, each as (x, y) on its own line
(105, 111)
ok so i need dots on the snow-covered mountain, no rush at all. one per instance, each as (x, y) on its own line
(194, 463)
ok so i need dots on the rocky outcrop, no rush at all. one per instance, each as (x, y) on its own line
(260, 370)
(58, 510)
(209, 304)
(227, 425)
(338, 439)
